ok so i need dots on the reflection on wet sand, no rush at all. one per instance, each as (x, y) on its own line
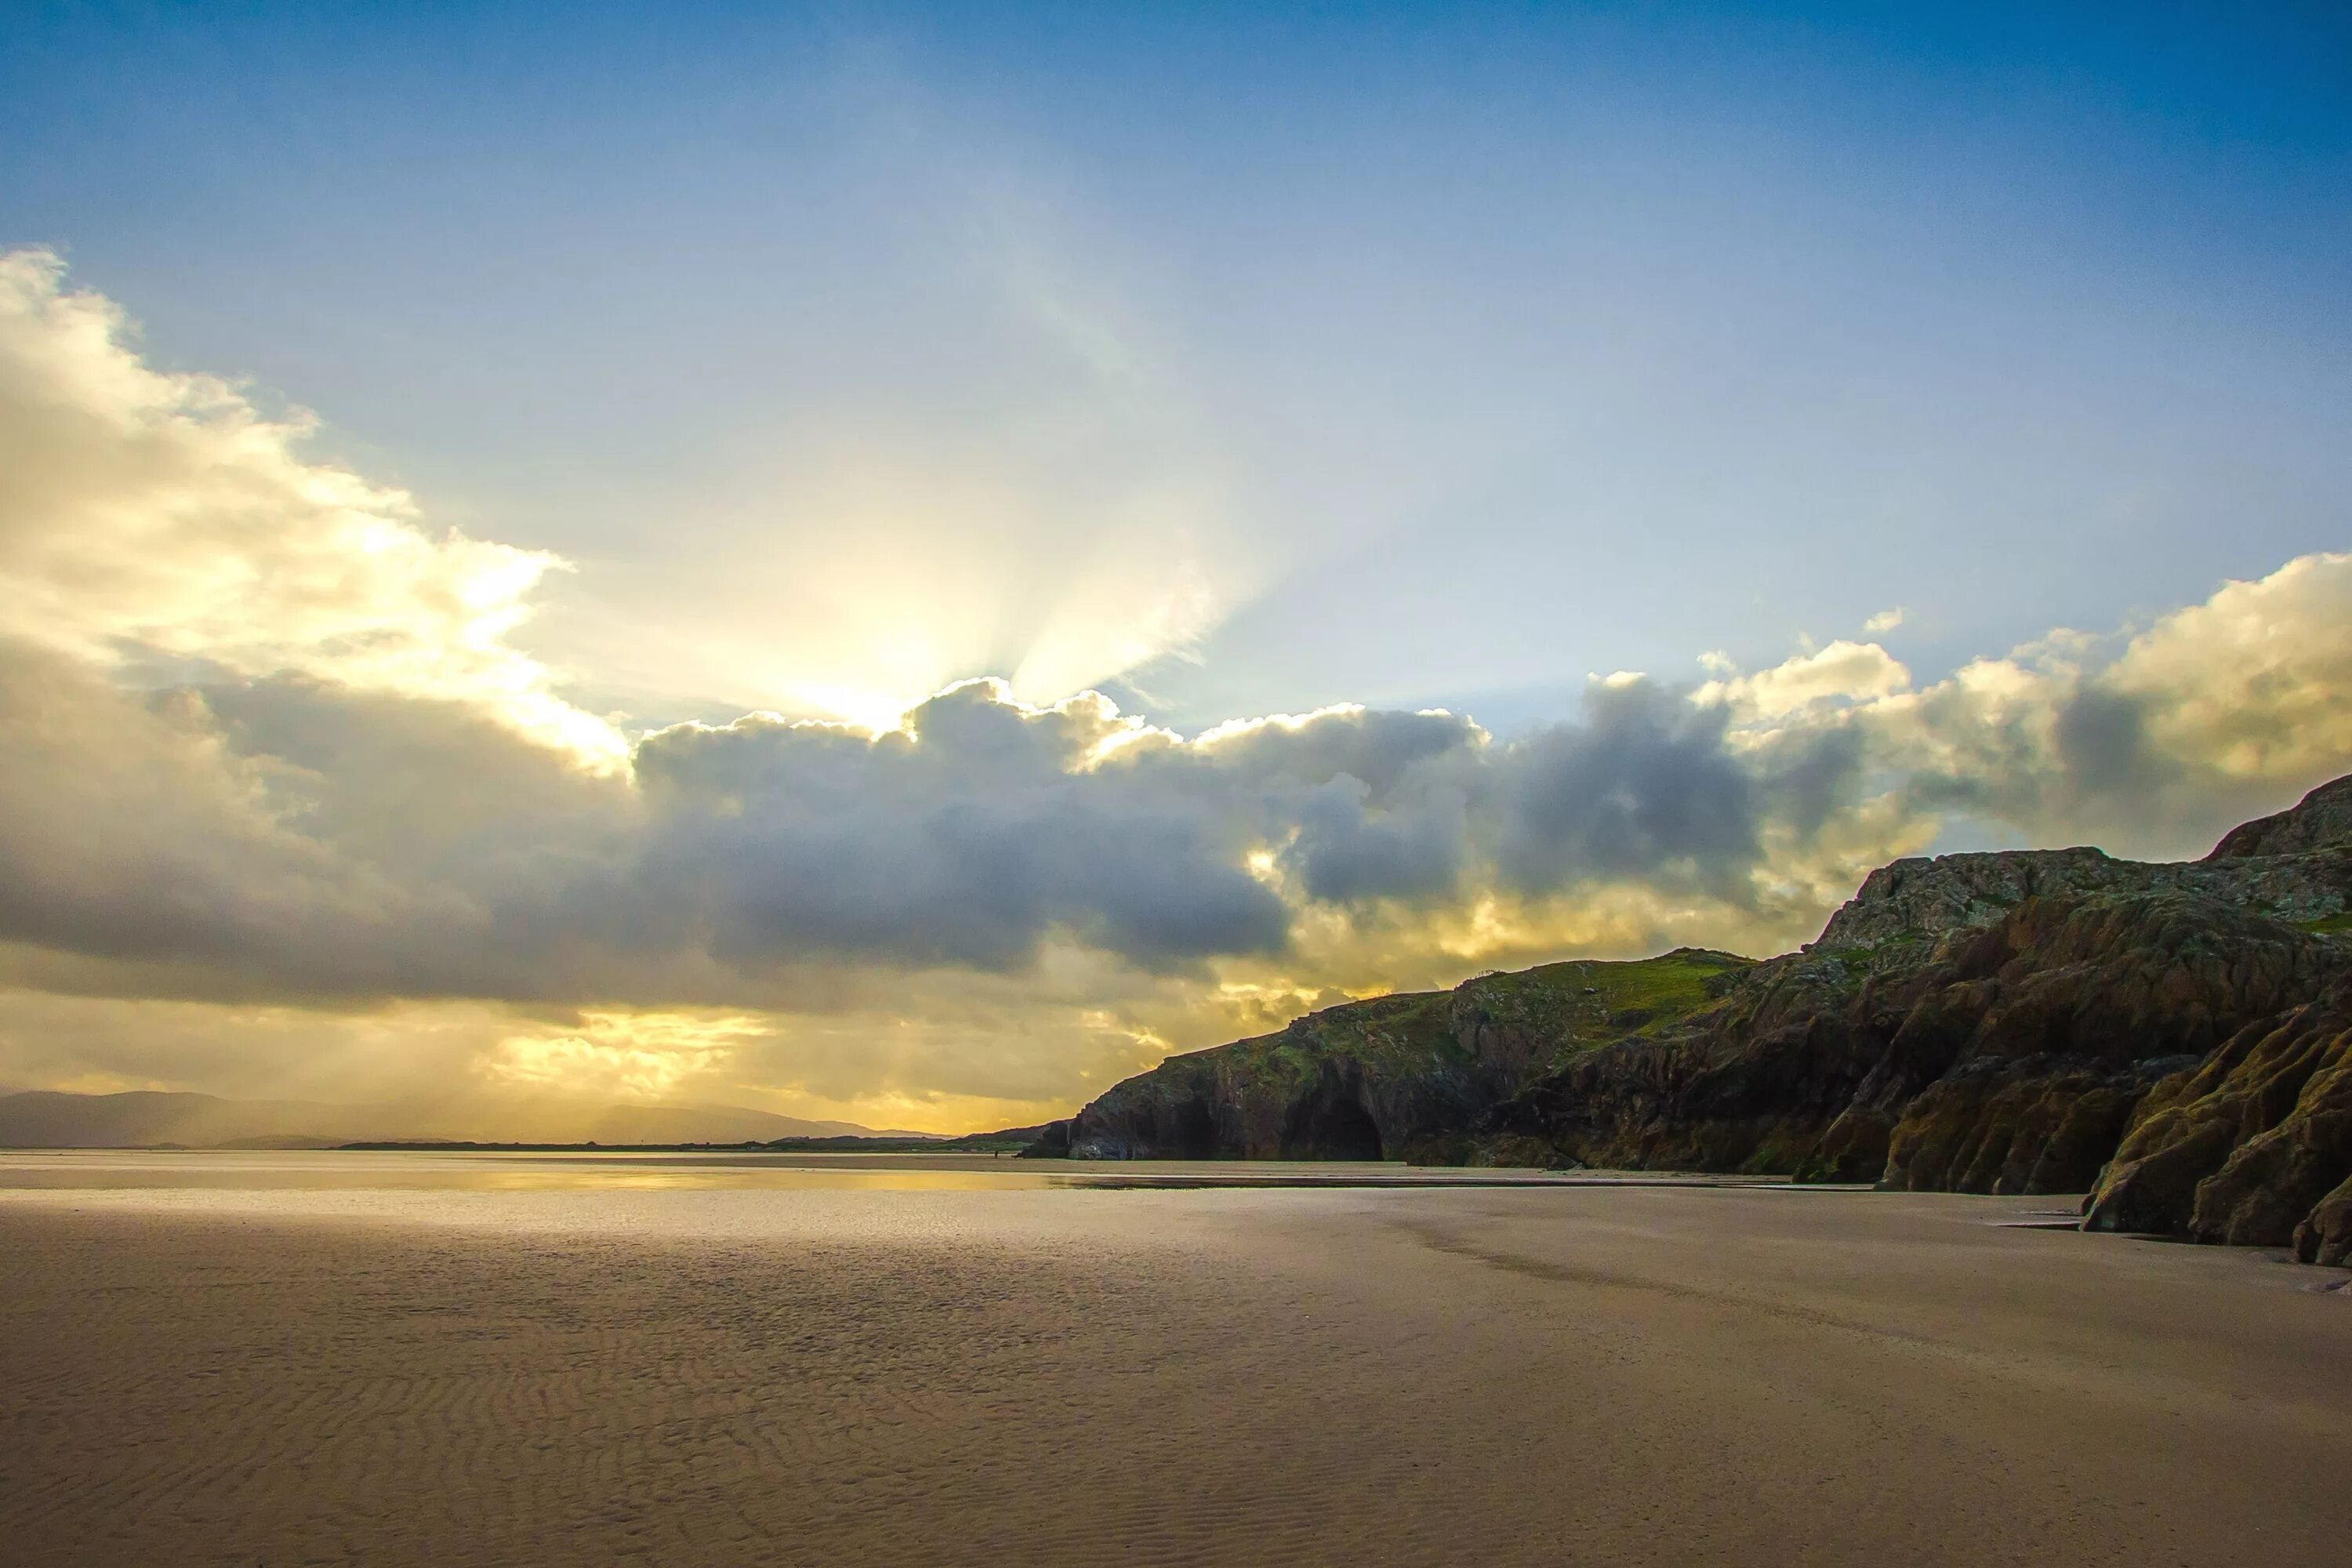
(492, 1171)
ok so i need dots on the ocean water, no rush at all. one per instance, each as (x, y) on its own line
(490, 1172)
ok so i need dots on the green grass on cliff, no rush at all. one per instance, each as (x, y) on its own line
(2336, 924)
(1560, 1009)
(1388, 1034)
(1596, 1003)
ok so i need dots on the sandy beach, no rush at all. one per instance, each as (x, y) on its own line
(267, 1371)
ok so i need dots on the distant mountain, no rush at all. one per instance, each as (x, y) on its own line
(44, 1119)
(713, 1124)
(41, 1119)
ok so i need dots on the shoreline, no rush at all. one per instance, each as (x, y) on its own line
(167, 1164)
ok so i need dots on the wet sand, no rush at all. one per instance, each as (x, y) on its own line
(823, 1375)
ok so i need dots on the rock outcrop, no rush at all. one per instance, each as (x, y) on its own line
(2005, 1059)
(2249, 1144)
(2177, 1038)
(1394, 1076)
(1918, 899)
(2321, 820)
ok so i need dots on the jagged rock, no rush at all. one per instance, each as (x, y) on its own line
(1917, 900)
(1053, 1143)
(2243, 1148)
(2005, 1059)
(1394, 1076)
(2321, 819)
(2042, 1124)
(1751, 1083)
(2273, 1182)
(2031, 1022)
(2325, 1235)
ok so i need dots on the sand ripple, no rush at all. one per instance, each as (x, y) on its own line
(1147, 1378)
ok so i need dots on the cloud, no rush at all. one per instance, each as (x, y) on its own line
(2250, 686)
(1843, 674)
(1646, 789)
(132, 829)
(1884, 621)
(1344, 853)
(2210, 714)
(289, 839)
(962, 838)
(984, 826)
(266, 748)
(2151, 740)
(160, 518)
(276, 744)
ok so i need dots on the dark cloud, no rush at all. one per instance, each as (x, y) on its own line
(963, 840)
(128, 830)
(1646, 788)
(2102, 746)
(2082, 764)
(1378, 749)
(1344, 853)
(1806, 778)
(304, 840)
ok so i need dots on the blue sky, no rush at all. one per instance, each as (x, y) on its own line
(1459, 351)
(1232, 361)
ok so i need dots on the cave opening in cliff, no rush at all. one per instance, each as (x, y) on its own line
(1330, 1124)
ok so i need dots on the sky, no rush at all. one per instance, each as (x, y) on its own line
(901, 562)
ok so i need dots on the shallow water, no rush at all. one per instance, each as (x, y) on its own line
(490, 1171)
(341, 1170)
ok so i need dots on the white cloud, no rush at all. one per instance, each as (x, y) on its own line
(156, 515)
(264, 743)
(2254, 684)
(2151, 742)
(1844, 673)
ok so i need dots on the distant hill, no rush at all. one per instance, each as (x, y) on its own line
(714, 1124)
(42, 1118)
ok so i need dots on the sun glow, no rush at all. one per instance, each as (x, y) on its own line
(625, 1055)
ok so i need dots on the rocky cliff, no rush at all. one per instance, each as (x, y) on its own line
(1395, 1077)
(2008, 1058)
(2252, 1144)
(2321, 820)
(1917, 900)
(2176, 1038)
